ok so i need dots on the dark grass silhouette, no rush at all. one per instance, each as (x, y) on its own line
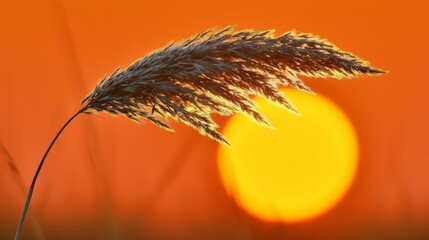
(214, 72)
(17, 177)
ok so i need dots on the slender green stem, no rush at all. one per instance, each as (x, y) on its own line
(36, 174)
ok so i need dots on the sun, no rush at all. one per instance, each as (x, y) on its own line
(296, 171)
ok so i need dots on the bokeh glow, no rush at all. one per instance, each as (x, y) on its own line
(296, 171)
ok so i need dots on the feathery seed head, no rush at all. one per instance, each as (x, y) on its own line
(218, 72)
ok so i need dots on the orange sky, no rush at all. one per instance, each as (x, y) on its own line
(133, 180)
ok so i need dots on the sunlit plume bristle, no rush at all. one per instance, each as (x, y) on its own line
(218, 72)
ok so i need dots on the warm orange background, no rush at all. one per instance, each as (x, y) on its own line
(109, 178)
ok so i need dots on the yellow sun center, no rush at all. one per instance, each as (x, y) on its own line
(296, 171)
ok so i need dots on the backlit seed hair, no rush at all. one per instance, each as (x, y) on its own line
(218, 72)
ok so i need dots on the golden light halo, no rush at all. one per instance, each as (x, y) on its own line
(296, 171)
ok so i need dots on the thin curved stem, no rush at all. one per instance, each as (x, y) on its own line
(36, 174)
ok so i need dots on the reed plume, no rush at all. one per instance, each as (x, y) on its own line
(216, 71)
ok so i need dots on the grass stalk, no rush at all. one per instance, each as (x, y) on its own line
(36, 175)
(216, 71)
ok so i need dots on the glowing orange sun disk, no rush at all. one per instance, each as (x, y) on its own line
(296, 171)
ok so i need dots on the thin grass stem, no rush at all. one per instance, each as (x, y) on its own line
(36, 175)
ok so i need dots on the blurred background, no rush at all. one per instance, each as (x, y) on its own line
(109, 178)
